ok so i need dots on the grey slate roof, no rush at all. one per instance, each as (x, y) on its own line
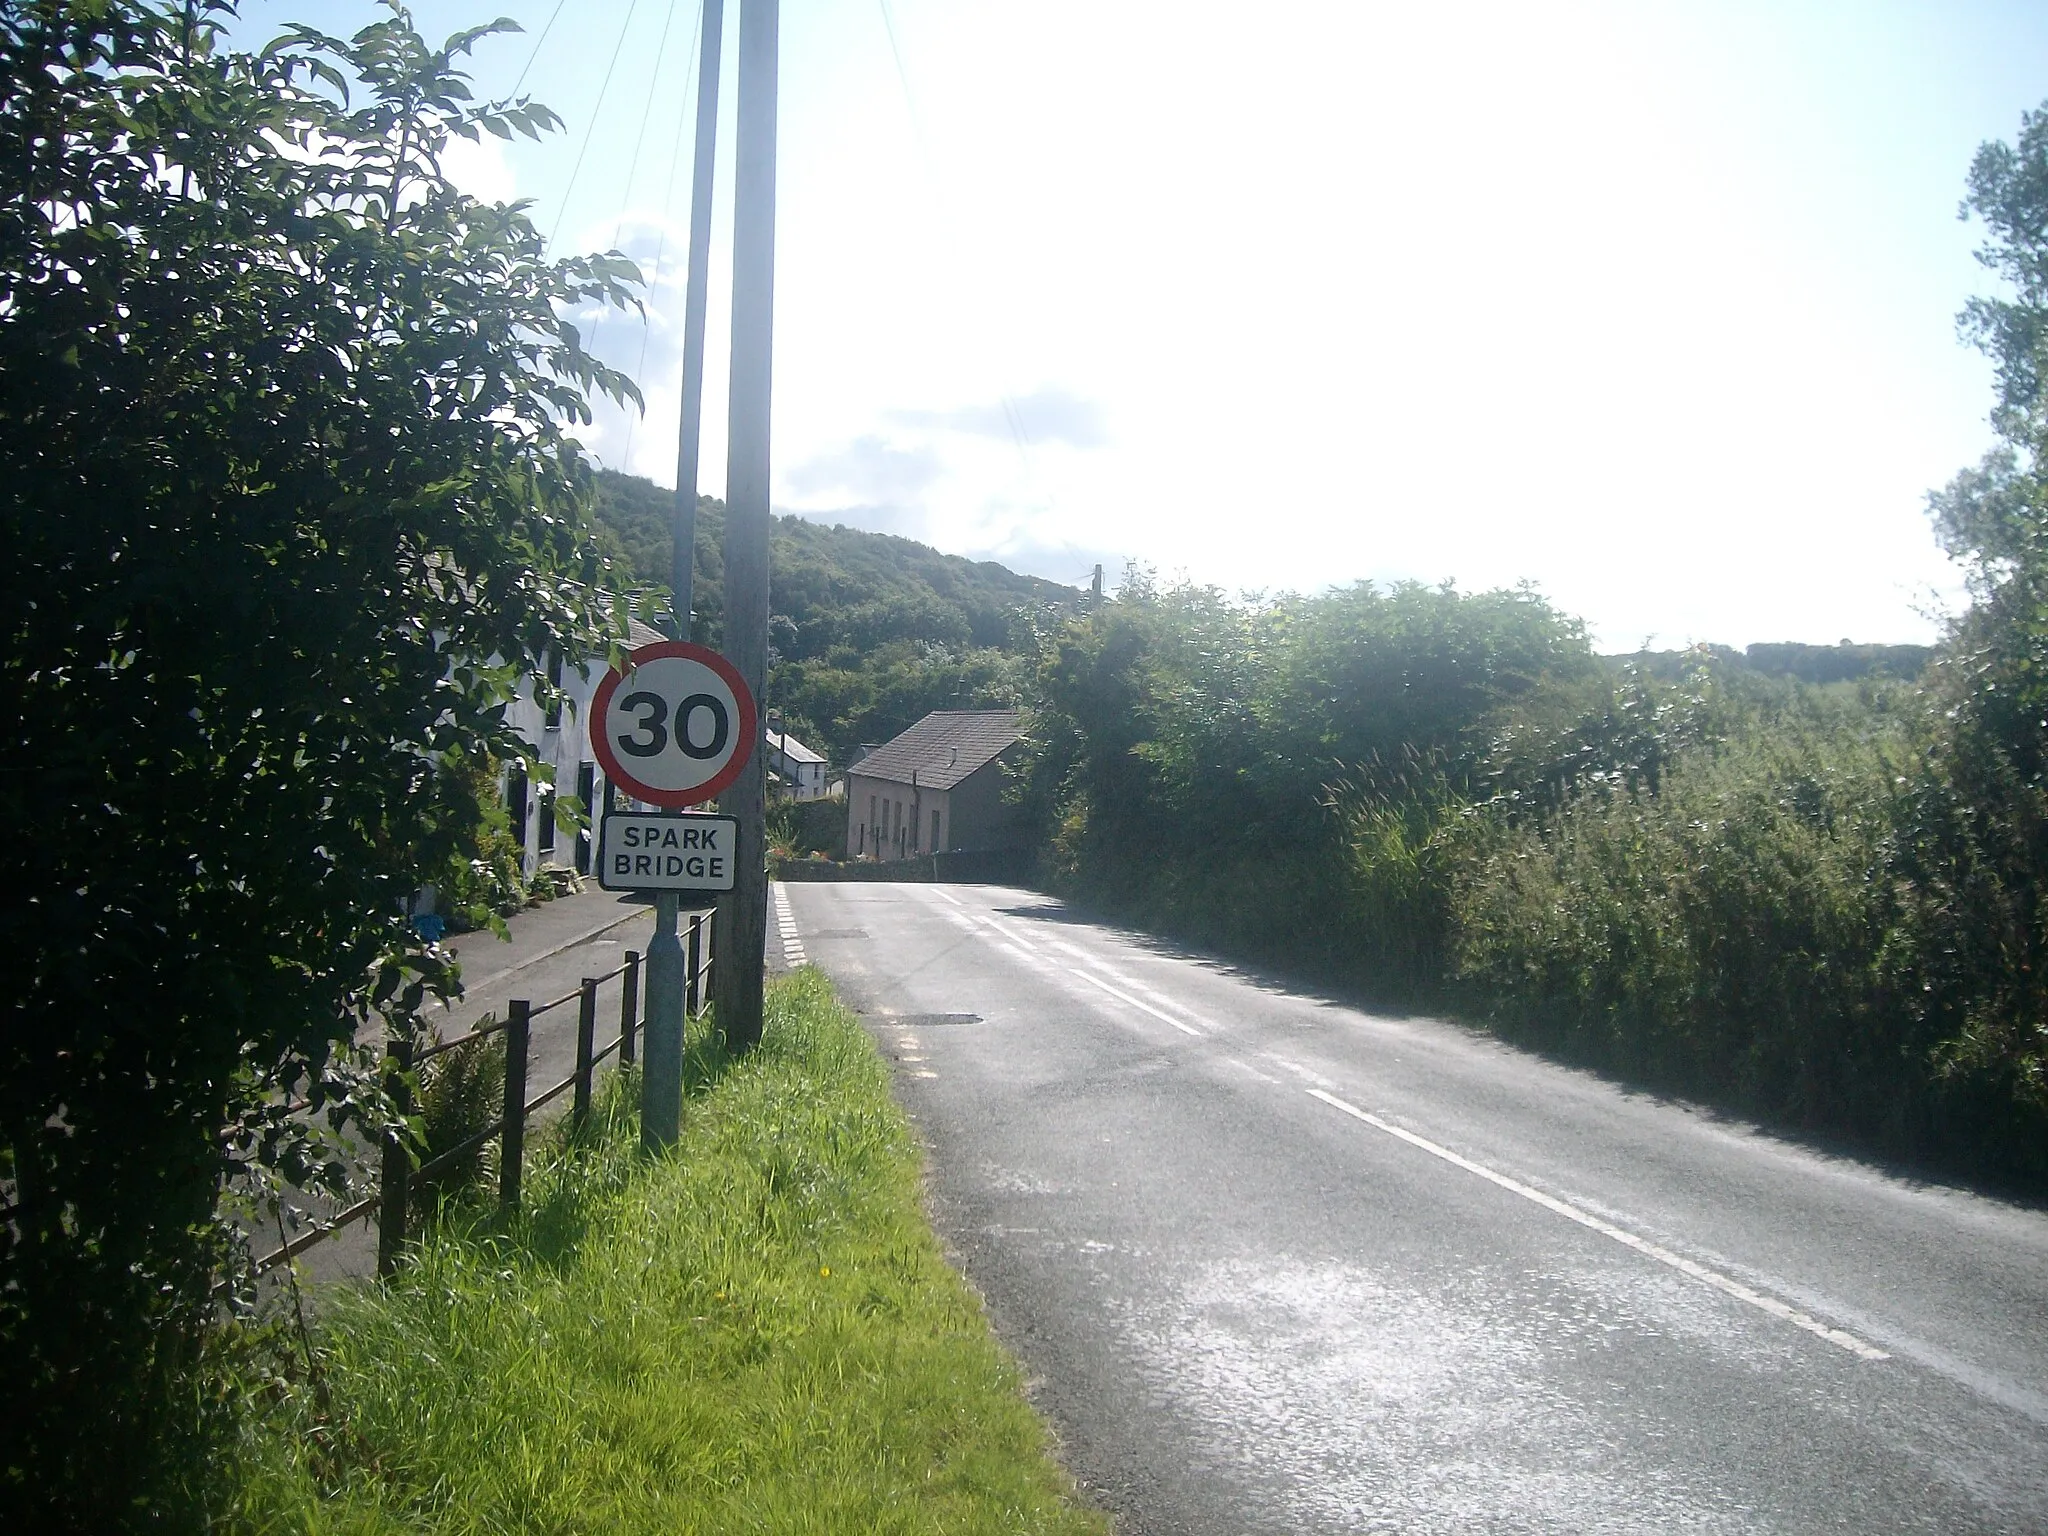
(944, 747)
(791, 749)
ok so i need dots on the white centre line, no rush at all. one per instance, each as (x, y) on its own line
(1684, 1266)
(1014, 942)
(1125, 997)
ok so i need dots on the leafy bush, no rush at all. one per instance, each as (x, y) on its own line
(282, 461)
(798, 828)
(461, 1093)
(1276, 777)
(1725, 935)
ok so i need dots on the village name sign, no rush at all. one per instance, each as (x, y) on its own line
(672, 728)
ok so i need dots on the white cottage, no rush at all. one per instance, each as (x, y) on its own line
(801, 769)
(560, 738)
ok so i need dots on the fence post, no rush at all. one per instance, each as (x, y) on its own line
(694, 972)
(586, 1046)
(395, 1178)
(629, 1005)
(512, 1136)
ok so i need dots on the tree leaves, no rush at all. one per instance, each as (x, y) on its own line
(288, 495)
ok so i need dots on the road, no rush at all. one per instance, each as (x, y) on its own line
(1277, 1264)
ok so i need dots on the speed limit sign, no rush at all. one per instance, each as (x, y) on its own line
(676, 726)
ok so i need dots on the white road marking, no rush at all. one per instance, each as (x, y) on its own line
(948, 896)
(1587, 1219)
(1125, 997)
(1121, 979)
(792, 941)
(1017, 945)
(1296, 1068)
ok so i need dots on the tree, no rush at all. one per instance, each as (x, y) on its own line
(1978, 844)
(288, 501)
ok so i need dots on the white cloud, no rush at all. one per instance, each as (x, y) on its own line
(480, 169)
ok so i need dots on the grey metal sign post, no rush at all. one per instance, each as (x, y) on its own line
(674, 727)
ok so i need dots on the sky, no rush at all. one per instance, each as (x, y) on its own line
(1650, 305)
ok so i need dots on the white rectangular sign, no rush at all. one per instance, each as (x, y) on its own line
(656, 851)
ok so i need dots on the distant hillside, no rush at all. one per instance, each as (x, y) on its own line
(868, 631)
(1789, 658)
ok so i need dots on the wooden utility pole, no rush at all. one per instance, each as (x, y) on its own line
(742, 933)
(661, 1078)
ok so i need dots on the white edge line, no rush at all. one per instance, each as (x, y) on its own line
(1685, 1266)
(785, 920)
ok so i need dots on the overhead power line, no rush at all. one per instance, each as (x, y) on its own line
(537, 44)
(668, 203)
(590, 128)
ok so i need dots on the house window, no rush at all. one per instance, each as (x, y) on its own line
(547, 818)
(935, 831)
(586, 795)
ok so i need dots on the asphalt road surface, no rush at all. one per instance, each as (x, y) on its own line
(1275, 1264)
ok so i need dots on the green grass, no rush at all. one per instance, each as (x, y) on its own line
(756, 1334)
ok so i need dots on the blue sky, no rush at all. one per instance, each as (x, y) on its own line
(1649, 304)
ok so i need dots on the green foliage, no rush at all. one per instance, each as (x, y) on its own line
(1270, 776)
(1842, 663)
(1724, 933)
(281, 459)
(1978, 854)
(797, 828)
(461, 1092)
(869, 632)
(758, 1333)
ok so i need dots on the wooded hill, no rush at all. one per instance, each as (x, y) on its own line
(1820, 664)
(868, 632)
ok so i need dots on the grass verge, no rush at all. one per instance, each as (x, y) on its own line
(756, 1334)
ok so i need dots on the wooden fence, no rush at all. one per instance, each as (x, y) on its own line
(396, 1174)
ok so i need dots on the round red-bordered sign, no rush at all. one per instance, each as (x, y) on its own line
(676, 726)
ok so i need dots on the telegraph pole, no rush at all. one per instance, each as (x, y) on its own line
(743, 915)
(661, 1075)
